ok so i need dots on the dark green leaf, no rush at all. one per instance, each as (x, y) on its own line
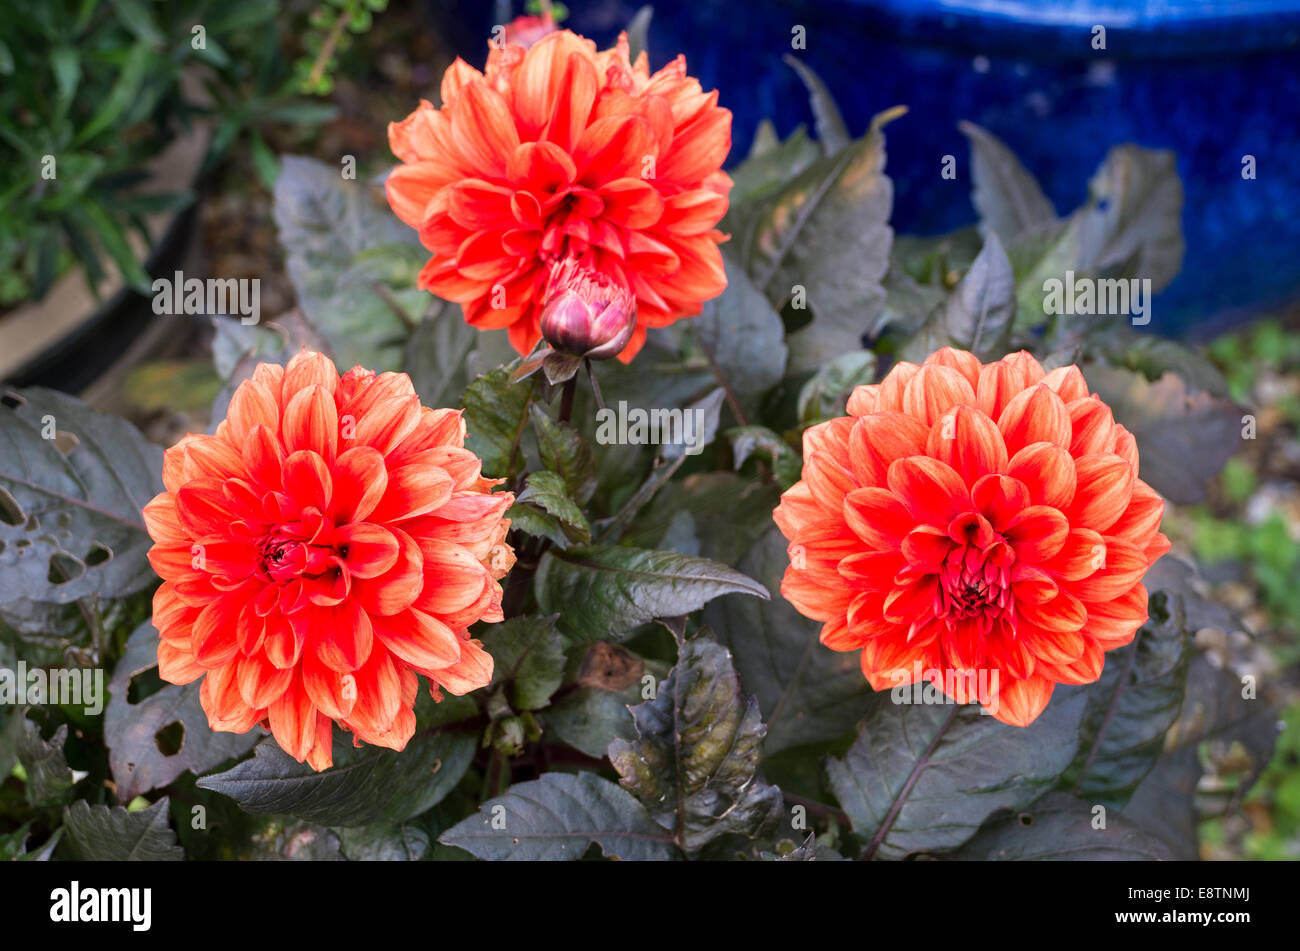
(1006, 196)
(1132, 706)
(111, 834)
(544, 508)
(742, 337)
(559, 817)
(1134, 214)
(436, 357)
(564, 451)
(827, 232)
(823, 396)
(831, 131)
(496, 412)
(695, 761)
(528, 654)
(70, 520)
(1185, 435)
(131, 729)
(602, 592)
(807, 692)
(125, 91)
(365, 785)
(1058, 828)
(588, 718)
(749, 441)
(923, 777)
(48, 777)
(379, 843)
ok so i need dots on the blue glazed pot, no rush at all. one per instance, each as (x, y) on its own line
(1212, 80)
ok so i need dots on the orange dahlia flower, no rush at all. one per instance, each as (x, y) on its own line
(973, 518)
(557, 152)
(331, 541)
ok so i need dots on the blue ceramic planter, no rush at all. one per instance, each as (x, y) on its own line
(1212, 80)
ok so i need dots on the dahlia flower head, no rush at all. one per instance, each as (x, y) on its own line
(560, 152)
(967, 517)
(331, 541)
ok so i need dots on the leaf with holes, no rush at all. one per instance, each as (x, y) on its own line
(695, 761)
(807, 692)
(560, 816)
(527, 653)
(72, 484)
(923, 777)
(111, 834)
(153, 741)
(1059, 828)
(604, 591)
(364, 785)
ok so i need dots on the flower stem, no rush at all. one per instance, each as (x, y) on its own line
(566, 399)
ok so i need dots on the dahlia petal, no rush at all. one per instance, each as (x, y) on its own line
(1093, 426)
(225, 708)
(1047, 471)
(877, 439)
(311, 422)
(1124, 566)
(483, 128)
(1105, 488)
(1083, 553)
(1063, 613)
(177, 664)
(1037, 533)
(931, 490)
(399, 587)
(472, 671)
(963, 361)
(343, 634)
(877, 517)
(412, 490)
(292, 719)
(307, 479)
(418, 639)
(934, 390)
(260, 682)
(999, 499)
(360, 481)
(308, 368)
(1035, 415)
(1019, 702)
(969, 442)
(367, 549)
(214, 634)
(332, 691)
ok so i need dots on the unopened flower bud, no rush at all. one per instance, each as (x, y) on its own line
(585, 313)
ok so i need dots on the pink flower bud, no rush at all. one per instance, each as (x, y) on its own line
(585, 313)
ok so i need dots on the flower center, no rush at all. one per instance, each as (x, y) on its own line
(975, 576)
(287, 552)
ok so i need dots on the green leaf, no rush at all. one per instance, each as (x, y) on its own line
(824, 395)
(113, 240)
(589, 717)
(353, 264)
(111, 834)
(1134, 214)
(131, 729)
(137, 17)
(1132, 706)
(695, 761)
(437, 354)
(769, 165)
(380, 843)
(716, 515)
(602, 592)
(544, 508)
(979, 312)
(559, 817)
(1008, 199)
(70, 517)
(828, 232)
(48, 777)
(496, 412)
(528, 654)
(923, 777)
(1185, 435)
(831, 131)
(363, 786)
(807, 692)
(749, 441)
(124, 92)
(742, 337)
(564, 451)
(1058, 828)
